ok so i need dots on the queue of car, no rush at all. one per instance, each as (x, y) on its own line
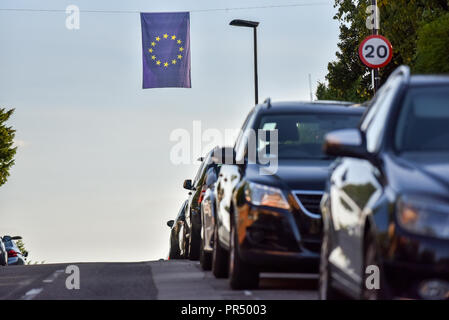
(10, 254)
(336, 189)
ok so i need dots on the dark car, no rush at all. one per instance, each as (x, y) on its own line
(386, 207)
(177, 245)
(268, 215)
(15, 256)
(3, 253)
(208, 209)
(193, 211)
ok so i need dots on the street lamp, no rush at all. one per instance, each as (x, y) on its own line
(251, 24)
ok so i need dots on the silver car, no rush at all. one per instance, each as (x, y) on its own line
(15, 256)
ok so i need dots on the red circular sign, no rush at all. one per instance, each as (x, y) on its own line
(376, 51)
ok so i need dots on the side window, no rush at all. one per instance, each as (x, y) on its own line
(202, 173)
(239, 138)
(240, 148)
(370, 112)
(240, 144)
(181, 212)
(211, 176)
(198, 174)
(375, 122)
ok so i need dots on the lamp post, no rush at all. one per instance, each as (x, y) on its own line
(251, 24)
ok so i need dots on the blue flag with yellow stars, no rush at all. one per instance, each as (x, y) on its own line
(166, 49)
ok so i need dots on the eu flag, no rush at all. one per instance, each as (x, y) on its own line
(166, 49)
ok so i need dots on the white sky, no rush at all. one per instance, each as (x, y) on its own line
(93, 179)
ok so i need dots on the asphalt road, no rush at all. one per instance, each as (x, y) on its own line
(178, 280)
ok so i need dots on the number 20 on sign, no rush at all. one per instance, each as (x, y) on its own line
(376, 51)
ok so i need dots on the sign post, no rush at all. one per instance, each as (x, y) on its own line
(375, 72)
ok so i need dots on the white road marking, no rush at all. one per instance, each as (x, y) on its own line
(247, 293)
(53, 276)
(30, 295)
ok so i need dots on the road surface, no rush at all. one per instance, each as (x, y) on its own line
(178, 280)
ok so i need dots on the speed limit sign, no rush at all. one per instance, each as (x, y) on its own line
(376, 51)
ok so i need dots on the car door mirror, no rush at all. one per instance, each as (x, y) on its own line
(188, 184)
(170, 223)
(346, 143)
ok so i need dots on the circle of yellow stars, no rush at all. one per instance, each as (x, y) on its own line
(161, 62)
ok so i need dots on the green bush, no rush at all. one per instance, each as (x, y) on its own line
(433, 47)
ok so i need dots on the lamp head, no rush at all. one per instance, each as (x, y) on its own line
(244, 23)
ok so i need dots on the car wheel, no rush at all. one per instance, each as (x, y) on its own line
(205, 258)
(3, 259)
(241, 275)
(325, 289)
(193, 252)
(371, 258)
(185, 246)
(193, 245)
(174, 253)
(219, 258)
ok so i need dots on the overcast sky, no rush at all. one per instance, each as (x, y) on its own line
(93, 180)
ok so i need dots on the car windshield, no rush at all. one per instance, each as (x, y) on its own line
(9, 244)
(423, 121)
(301, 136)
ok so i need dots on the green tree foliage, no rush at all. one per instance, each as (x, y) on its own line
(406, 23)
(432, 54)
(21, 247)
(7, 151)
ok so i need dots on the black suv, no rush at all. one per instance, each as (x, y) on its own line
(268, 214)
(386, 208)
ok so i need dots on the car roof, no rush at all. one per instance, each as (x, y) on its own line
(429, 79)
(330, 107)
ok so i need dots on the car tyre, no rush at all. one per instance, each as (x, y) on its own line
(174, 253)
(241, 274)
(371, 257)
(205, 258)
(193, 254)
(219, 258)
(185, 246)
(325, 289)
(3, 259)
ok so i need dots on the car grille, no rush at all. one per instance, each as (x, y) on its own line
(309, 201)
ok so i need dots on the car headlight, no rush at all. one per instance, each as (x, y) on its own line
(262, 195)
(426, 217)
